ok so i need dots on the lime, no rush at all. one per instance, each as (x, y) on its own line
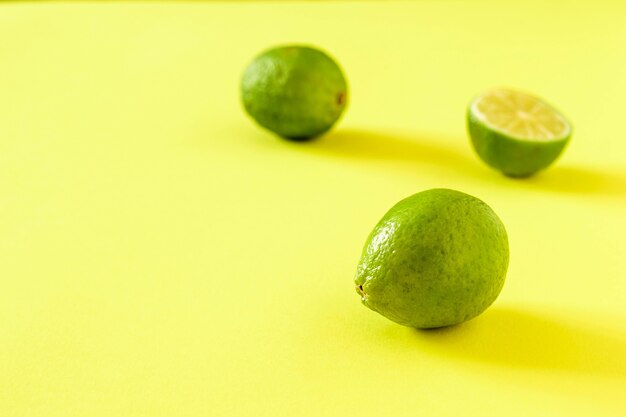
(437, 258)
(297, 92)
(516, 133)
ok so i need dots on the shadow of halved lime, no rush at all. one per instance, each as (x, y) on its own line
(516, 133)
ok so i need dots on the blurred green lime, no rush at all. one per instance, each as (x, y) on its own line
(297, 92)
(516, 133)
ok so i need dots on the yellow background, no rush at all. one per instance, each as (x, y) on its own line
(163, 256)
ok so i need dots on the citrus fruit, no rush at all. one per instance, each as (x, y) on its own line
(437, 258)
(297, 92)
(516, 133)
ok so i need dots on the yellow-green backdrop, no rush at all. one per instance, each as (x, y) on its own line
(160, 255)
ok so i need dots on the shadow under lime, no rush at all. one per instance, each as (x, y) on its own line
(515, 338)
(456, 156)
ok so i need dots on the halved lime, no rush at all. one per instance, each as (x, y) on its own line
(516, 133)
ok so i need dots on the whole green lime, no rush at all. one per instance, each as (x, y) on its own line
(516, 133)
(437, 258)
(297, 92)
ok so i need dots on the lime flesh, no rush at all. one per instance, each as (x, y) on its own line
(297, 92)
(516, 133)
(437, 258)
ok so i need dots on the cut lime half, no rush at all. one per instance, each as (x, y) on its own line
(516, 133)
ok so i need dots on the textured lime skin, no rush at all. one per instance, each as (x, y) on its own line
(513, 157)
(298, 92)
(437, 258)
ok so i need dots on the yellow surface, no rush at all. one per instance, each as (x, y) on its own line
(162, 256)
